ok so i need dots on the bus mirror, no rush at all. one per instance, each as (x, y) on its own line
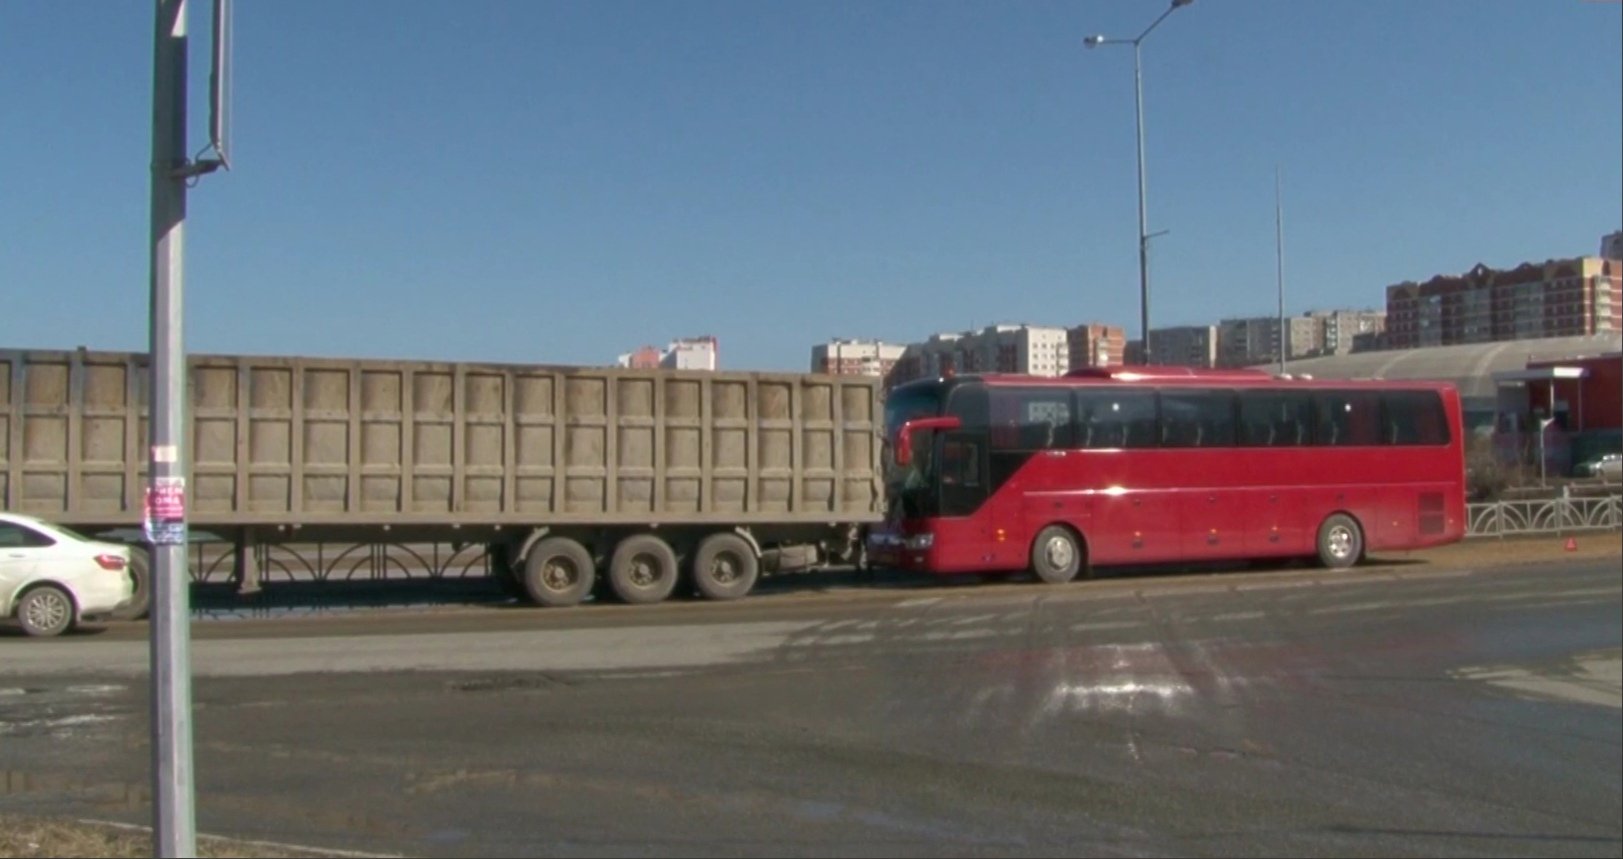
(904, 435)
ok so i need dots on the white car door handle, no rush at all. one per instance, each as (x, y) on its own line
(16, 555)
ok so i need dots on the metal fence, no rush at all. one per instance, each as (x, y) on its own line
(1544, 516)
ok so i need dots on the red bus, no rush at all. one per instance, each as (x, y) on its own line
(1159, 465)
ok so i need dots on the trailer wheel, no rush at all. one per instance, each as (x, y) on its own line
(1341, 542)
(1056, 555)
(725, 567)
(642, 570)
(140, 573)
(559, 572)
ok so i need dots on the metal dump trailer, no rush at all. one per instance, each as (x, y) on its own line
(645, 478)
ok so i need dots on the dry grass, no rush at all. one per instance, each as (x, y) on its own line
(23, 836)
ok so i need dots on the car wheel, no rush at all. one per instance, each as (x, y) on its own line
(46, 611)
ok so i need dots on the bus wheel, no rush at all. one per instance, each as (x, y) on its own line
(559, 572)
(1056, 557)
(1341, 542)
(725, 567)
(642, 570)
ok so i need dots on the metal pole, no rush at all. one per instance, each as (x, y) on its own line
(1541, 482)
(1143, 216)
(174, 824)
(1279, 252)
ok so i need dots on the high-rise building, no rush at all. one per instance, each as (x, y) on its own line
(1339, 331)
(1558, 298)
(1256, 340)
(856, 357)
(643, 358)
(687, 353)
(1095, 344)
(1611, 245)
(931, 359)
(1037, 350)
(691, 353)
(1180, 346)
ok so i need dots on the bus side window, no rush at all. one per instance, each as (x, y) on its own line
(1003, 426)
(1414, 418)
(1139, 413)
(1258, 411)
(1045, 419)
(1116, 418)
(1349, 418)
(1197, 419)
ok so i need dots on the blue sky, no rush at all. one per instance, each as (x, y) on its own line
(560, 182)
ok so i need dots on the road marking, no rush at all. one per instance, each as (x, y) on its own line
(1146, 593)
(1439, 574)
(1593, 678)
(1280, 585)
(1239, 615)
(277, 845)
(54, 724)
(919, 602)
(1108, 624)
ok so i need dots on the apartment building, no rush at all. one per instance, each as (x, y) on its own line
(1559, 298)
(1037, 350)
(856, 357)
(1095, 344)
(1180, 346)
(686, 353)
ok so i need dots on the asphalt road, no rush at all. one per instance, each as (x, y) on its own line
(1414, 710)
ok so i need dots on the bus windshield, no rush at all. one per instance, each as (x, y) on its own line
(907, 486)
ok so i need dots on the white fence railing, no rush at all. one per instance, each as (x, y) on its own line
(1543, 516)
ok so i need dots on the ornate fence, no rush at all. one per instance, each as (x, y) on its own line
(1544, 516)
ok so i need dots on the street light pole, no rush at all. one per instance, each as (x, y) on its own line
(174, 817)
(1143, 213)
(1279, 257)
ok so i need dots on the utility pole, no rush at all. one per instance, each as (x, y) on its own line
(1279, 254)
(164, 512)
(174, 818)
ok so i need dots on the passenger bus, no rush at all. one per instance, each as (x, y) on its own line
(1164, 465)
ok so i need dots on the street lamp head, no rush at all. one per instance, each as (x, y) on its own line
(1094, 41)
(1177, 3)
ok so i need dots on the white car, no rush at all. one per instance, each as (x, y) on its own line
(1608, 467)
(51, 578)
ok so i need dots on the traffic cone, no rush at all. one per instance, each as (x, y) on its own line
(1572, 544)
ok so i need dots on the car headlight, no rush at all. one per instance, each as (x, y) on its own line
(920, 541)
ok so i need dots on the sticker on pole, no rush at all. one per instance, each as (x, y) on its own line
(165, 515)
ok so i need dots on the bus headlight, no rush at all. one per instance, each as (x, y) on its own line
(920, 541)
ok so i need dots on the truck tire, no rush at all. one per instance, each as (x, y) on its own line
(559, 572)
(1341, 542)
(140, 573)
(642, 570)
(1056, 555)
(45, 611)
(725, 567)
